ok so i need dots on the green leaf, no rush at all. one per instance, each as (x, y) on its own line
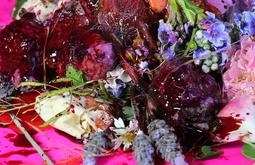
(18, 6)
(77, 77)
(208, 153)
(187, 9)
(249, 151)
(105, 94)
(128, 112)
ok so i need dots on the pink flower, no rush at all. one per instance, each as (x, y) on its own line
(239, 79)
(222, 6)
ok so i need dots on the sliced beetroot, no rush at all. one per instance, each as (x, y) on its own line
(186, 97)
(21, 45)
(71, 41)
(123, 18)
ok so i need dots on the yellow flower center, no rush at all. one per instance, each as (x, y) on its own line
(129, 137)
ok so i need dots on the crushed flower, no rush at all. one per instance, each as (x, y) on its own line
(116, 81)
(124, 135)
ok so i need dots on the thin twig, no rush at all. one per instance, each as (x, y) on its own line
(31, 140)
(44, 57)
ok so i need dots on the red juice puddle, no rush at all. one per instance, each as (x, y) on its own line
(10, 135)
(19, 152)
(20, 141)
(14, 162)
(227, 124)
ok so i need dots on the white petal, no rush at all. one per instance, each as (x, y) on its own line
(119, 123)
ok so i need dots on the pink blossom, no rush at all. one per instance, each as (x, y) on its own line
(239, 79)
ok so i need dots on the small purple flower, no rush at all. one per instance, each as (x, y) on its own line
(117, 89)
(169, 53)
(218, 36)
(166, 34)
(116, 81)
(143, 65)
(201, 54)
(246, 22)
(186, 27)
(209, 21)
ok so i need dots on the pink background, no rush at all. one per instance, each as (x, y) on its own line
(62, 150)
(6, 7)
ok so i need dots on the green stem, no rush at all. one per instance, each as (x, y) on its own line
(101, 85)
(44, 57)
(190, 42)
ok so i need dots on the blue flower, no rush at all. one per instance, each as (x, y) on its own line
(201, 54)
(246, 23)
(116, 81)
(209, 21)
(117, 88)
(169, 53)
(143, 65)
(166, 34)
(218, 36)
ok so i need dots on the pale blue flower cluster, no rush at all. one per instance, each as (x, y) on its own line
(246, 23)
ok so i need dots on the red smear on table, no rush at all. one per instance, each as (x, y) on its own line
(228, 124)
(16, 149)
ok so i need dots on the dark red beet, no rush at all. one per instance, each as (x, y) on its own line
(72, 42)
(21, 43)
(123, 18)
(186, 97)
(69, 42)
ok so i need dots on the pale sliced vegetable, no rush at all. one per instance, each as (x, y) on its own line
(43, 9)
(66, 113)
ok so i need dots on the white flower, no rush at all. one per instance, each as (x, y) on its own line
(124, 135)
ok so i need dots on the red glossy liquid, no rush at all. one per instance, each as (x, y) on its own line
(227, 124)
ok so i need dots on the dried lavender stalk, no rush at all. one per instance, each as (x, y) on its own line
(143, 150)
(6, 86)
(166, 142)
(98, 141)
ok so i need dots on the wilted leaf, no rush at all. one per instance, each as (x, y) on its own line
(249, 151)
(208, 153)
(18, 6)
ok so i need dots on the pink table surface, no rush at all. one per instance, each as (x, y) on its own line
(61, 149)
(6, 7)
